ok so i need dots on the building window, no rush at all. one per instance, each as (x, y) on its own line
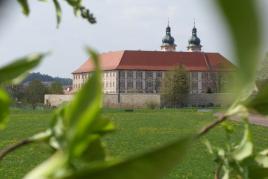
(194, 86)
(158, 74)
(194, 75)
(157, 86)
(130, 84)
(122, 85)
(139, 85)
(149, 82)
(129, 74)
(149, 86)
(122, 75)
(139, 75)
(204, 76)
(148, 75)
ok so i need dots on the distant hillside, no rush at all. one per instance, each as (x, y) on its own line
(47, 79)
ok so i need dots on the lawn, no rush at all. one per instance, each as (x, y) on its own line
(136, 131)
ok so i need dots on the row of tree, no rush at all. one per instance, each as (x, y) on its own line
(34, 92)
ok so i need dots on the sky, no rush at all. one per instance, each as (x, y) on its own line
(122, 25)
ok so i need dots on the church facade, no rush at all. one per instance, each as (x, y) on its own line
(141, 72)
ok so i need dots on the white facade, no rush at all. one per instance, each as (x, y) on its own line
(133, 81)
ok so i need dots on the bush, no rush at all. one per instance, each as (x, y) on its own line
(152, 105)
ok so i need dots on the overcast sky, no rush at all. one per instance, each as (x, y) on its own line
(122, 25)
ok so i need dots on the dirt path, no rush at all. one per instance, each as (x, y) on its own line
(253, 119)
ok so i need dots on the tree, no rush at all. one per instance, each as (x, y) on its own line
(35, 92)
(17, 92)
(174, 87)
(56, 88)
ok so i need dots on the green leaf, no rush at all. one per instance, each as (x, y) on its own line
(154, 164)
(41, 137)
(245, 148)
(259, 173)
(256, 172)
(94, 152)
(76, 4)
(16, 70)
(58, 11)
(25, 6)
(58, 139)
(262, 158)
(246, 38)
(102, 126)
(83, 111)
(4, 108)
(54, 167)
(259, 102)
(89, 96)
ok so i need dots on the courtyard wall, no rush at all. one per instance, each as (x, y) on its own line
(55, 100)
(141, 100)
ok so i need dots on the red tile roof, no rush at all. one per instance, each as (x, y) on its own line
(159, 61)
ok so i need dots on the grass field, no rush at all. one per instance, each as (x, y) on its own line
(136, 131)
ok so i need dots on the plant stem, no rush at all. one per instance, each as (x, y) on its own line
(218, 171)
(206, 129)
(13, 147)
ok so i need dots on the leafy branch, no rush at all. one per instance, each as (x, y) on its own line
(77, 6)
(14, 147)
(211, 126)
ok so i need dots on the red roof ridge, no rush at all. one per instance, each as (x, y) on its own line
(158, 60)
(207, 61)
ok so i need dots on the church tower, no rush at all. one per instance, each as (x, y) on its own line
(168, 42)
(194, 42)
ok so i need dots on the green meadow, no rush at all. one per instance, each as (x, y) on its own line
(137, 131)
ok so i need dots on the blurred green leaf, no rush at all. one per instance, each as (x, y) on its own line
(245, 148)
(259, 169)
(58, 129)
(262, 158)
(154, 164)
(54, 167)
(256, 172)
(25, 6)
(4, 108)
(76, 4)
(16, 70)
(94, 152)
(89, 96)
(76, 129)
(259, 102)
(102, 126)
(243, 20)
(83, 111)
(58, 11)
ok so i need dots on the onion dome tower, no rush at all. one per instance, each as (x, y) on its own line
(194, 42)
(168, 42)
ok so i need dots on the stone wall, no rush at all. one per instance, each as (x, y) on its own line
(56, 100)
(140, 100)
(209, 99)
(131, 100)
